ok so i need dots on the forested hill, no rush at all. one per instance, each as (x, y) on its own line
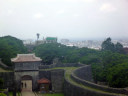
(9, 48)
(110, 64)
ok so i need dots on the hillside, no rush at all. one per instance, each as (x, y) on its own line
(10, 47)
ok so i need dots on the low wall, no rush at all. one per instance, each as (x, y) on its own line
(45, 74)
(84, 73)
(8, 78)
(56, 76)
(78, 74)
(57, 79)
(61, 65)
(74, 90)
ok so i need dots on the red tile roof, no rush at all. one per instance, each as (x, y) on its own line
(44, 81)
(26, 58)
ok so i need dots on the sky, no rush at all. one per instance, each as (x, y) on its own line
(69, 19)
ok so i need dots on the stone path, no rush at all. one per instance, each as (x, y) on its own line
(27, 88)
(27, 85)
(27, 94)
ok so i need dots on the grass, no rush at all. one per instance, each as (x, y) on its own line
(65, 68)
(10, 94)
(68, 71)
(68, 77)
(55, 94)
(3, 70)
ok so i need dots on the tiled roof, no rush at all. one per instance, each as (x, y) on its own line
(25, 58)
(44, 81)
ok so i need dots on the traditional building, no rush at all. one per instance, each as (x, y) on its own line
(26, 62)
(29, 75)
(44, 85)
(26, 68)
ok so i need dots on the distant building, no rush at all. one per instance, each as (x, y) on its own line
(51, 40)
(64, 41)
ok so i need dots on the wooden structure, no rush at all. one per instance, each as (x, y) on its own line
(44, 85)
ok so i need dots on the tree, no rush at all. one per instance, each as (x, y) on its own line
(1, 82)
(38, 35)
(118, 76)
(107, 45)
(119, 48)
(2, 94)
(9, 48)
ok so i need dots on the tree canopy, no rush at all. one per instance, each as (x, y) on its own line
(9, 48)
(107, 64)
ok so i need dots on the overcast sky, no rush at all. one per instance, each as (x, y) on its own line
(86, 19)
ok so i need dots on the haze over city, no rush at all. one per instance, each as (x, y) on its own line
(86, 19)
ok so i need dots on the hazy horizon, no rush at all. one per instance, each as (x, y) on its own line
(65, 19)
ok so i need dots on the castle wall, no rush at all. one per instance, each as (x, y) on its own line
(84, 73)
(34, 74)
(8, 78)
(57, 79)
(61, 65)
(82, 77)
(45, 74)
(71, 89)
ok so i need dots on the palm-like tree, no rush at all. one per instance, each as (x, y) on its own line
(38, 35)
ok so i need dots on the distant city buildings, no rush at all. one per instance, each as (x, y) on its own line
(93, 44)
(46, 40)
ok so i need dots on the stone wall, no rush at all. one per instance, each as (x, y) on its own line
(60, 65)
(45, 74)
(8, 78)
(79, 77)
(33, 74)
(84, 73)
(57, 79)
(71, 89)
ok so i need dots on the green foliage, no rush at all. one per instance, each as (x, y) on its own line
(49, 51)
(2, 94)
(10, 47)
(1, 82)
(108, 45)
(118, 75)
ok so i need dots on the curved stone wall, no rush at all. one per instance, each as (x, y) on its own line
(79, 77)
(71, 89)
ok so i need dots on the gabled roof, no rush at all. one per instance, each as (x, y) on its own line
(26, 58)
(43, 81)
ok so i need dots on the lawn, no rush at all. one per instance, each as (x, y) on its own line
(3, 70)
(55, 94)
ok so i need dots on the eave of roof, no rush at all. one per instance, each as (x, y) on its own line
(43, 81)
(26, 58)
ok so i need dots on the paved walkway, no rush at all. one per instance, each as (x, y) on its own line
(26, 85)
(27, 88)
(28, 94)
